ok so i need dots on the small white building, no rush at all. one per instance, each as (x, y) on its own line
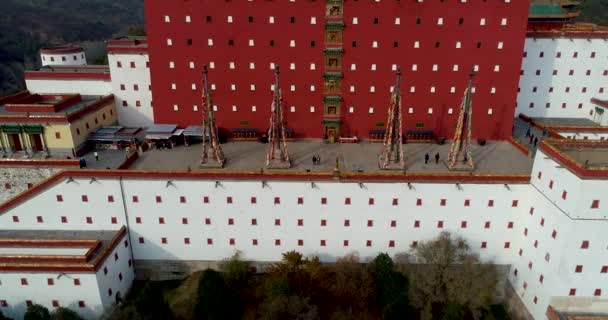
(129, 65)
(86, 271)
(86, 80)
(63, 56)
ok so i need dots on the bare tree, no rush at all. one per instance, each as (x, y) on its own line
(353, 285)
(448, 274)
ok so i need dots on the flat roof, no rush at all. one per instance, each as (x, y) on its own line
(87, 72)
(582, 122)
(54, 246)
(493, 158)
(569, 125)
(63, 49)
(128, 45)
(81, 106)
(588, 159)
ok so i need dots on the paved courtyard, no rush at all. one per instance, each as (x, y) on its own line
(111, 159)
(495, 157)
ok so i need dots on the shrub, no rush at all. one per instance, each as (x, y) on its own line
(37, 312)
(62, 313)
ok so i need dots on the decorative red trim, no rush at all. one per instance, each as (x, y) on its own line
(519, 146)
(53, 119)
(128, 46)
(597, 34)
(14, 97)
(127, 50)
(61, 50)
(254, 175)
(552, 130)
(56, 75)
(127, 42)
(40, 243)
(55, 267)
(27, 258)
(34, 104)
(40, 162)
(129, 161)
(68, 265)
(96, 105)
(578, 128)
(601, 103)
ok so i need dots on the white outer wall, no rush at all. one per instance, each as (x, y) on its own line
(93, 288)
(312, 212)
(38, 291)
(559, 82)
(72, 86)
(71, 59)
(574, 221)
(558, 272)
(131, 115)
(111, 280)
(72, 208)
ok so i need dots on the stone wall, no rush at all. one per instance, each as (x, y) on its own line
(14, 180)
(160, 270)
(515, 307)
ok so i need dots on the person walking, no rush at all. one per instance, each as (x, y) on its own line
(437, 158)
(528, 132)
(96, 156)
(535, 142)
(426, 158)
(531, 139)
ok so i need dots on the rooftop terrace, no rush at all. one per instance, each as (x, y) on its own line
(90, 72)
(61, 250)
(585, 158)
(493, 158)
(27, 107)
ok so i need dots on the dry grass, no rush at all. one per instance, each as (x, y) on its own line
(182, 299)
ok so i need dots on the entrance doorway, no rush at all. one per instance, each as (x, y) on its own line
(332, 134)
(38, 142)
(16, 142)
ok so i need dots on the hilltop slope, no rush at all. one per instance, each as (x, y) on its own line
(27, 25)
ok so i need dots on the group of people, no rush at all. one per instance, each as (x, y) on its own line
(532, 140)
(316, 159)
(427, 158)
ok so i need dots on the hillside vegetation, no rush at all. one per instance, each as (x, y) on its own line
(28, 25)
(595, 11)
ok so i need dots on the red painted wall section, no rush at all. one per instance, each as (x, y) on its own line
(221, 53)
(428, 33)
(309, 124)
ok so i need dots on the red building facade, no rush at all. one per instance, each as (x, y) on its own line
(338, 61)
